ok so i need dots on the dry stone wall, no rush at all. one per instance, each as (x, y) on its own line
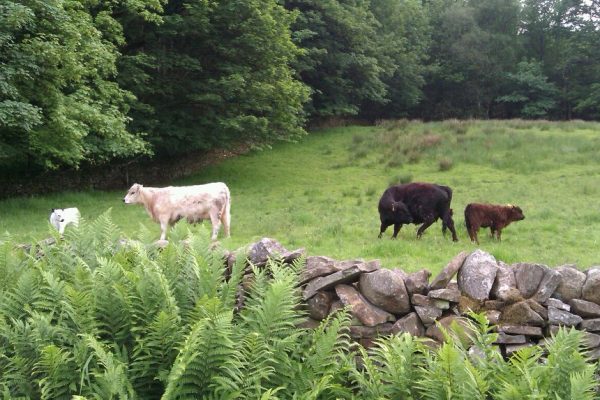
(526, 302)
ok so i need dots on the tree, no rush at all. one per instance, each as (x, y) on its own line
(215, 72)
(60, 105)
(531, 95)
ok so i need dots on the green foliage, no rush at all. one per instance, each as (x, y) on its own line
(531, 93)
(60, 105)
(126, 324)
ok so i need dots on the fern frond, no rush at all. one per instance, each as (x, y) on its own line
(206, 354)
(56, 371)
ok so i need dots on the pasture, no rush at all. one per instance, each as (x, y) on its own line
(322, 192)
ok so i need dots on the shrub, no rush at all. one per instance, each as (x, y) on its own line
(445, 164)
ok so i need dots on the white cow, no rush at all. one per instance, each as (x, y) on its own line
(195, 203)
(61, 217)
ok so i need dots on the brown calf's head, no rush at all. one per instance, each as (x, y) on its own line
(516, 214)
(133, 194)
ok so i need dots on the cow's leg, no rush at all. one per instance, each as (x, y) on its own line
(226, 220)
(448, 222)
(382, 229)
(216, 223)
(396, 230)
(499, 234)
(426, 224)
(164, 225)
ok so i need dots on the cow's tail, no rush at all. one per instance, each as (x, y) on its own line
(226, 214)
(468, 218)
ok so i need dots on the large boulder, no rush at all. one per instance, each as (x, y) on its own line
(367, 313)
(441, 281)
(591, 287)
(477, 274)
(571, 283)
(385, 289)
(528, 277)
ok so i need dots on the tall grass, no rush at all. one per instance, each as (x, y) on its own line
(322, 192)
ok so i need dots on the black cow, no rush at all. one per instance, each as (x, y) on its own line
(424, 202)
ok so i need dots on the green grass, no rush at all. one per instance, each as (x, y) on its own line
(322, 192)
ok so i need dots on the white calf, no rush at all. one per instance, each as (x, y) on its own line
(61, 217)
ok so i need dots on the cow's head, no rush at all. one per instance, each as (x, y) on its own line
(133, 194)
(401, 213)
(516, 214)
(57, 214)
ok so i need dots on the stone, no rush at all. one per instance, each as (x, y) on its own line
(326, 282)
(466, 304)
(453, 285)
(571, 283)
(309, 323)
(584, 308)
(561, 317)
(264, 249)
(421, 300)
(493, 316)
(591, 287)
(512, 348)
(441, 304)
(447, 323)
(445, 294)
(410, 323)
(319, 305)
(316, 266)
(528, 277)
(552, 302)
(521, 330)
(366, 312)
(441, 281)
(504, 338)
(592, 325)
(359, 332)
(386, 290)
(345, 264)
(593, 355)
(538, 308)
(477, 275)
(417, 282)
(504, 283)
(591, 340)
(494, 305)
(547, 286)
(428, 314)
(521, 314)
(292, 255)
(336, 306)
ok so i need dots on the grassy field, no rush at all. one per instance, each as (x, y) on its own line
(322, 193)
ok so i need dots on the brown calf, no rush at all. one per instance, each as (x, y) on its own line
(496, 217)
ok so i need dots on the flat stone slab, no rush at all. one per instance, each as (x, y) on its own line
(585, 308)
(344, 276)
(521, 330)
(592, 325)
(317, 266)
(442, 279)
(561, 317)
(504, 338)
(359, 332)
(445, 294)
(591, 340)
(511, 348)
(421, 300)
(552, 302)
